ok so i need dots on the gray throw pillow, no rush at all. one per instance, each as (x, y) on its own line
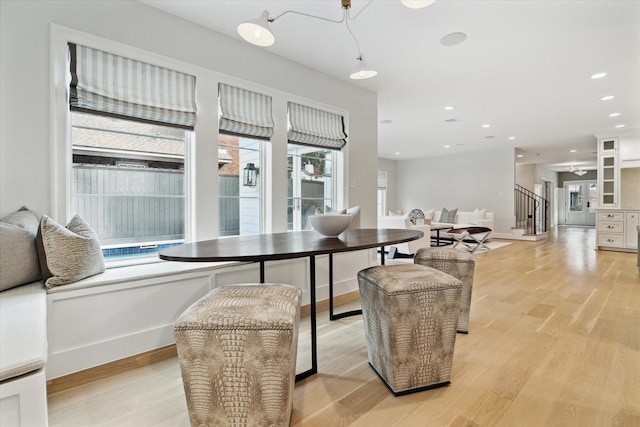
(18, 254)
(72, 253)
(448, 217)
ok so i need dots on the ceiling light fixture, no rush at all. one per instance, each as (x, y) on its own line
(598, 76)
(572, 151)
(450, 107)
(486, 125)
(258, 32)
(614, 114)
(511, 138)
(417, 4)
(620, 126)
(607, 98)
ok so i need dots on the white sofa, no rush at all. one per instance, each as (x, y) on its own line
(479, 218)
(402, 222)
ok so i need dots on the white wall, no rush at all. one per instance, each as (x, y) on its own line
(525, 176)
(25, 155)
(389, 166)
(483, 180)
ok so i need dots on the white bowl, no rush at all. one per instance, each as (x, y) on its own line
(330, 225)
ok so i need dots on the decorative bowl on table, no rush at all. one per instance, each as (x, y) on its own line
(330, 225)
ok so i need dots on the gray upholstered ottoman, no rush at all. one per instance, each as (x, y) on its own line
(410, 316)
(459, 264)
(237, 348)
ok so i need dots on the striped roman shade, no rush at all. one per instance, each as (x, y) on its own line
(107, 84)
(245, 113)
(317, 128)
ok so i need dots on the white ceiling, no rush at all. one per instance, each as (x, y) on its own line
(524, 69)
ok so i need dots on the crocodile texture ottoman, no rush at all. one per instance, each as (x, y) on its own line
(459, 264)
(410, 316)
(237, 349)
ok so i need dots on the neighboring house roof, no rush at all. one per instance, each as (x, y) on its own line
(96, 133)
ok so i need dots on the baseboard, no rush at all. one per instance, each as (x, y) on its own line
(70, 381)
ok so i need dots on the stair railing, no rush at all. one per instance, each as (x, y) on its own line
(531, 211)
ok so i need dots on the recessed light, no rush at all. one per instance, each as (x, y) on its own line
(598, 75)
(386, 122)
(607, 98)
(453, 39)
(572, 151)
(619, 126)
(486, 125)
(397, 153)
(490, 136)
(450, 107)
(614, 114)
(511, 138)
(520, 155)
(447, 146)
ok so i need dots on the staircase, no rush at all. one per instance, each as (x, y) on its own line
(532, 215)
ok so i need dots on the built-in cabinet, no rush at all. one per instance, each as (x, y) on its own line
(617, 229)
(609, 173)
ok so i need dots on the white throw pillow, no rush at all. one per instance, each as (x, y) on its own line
(428, 215)
(478, 215)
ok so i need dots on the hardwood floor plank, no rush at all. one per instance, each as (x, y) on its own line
(554, 340)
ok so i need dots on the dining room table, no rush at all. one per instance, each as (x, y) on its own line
(289, 245)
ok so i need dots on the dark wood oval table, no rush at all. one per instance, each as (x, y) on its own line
(289, 245)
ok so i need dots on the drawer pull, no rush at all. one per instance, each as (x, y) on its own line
(609, 216)
(610, 227)
(610, 240)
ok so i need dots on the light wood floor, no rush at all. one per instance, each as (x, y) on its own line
(554, 341)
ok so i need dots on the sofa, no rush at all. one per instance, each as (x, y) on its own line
(402, 222)
(477, 217)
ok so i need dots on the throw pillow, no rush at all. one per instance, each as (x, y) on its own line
(72, 253)
(329, 209)
(448, 217)
(18, 253)
(415, 214)
(396, 213)
(428, 215)
(355, 213)
(478, 215)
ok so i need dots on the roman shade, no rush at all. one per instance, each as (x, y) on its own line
(244, 113)
(317, 128)
(112, 85)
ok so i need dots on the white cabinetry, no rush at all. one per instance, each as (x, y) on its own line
(631, 230)
(609, 173)
(617, 229)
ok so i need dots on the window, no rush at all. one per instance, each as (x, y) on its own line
(130, 121)
(240, 204)
(315, 140)
(128, 183)
(310, 184)
(245, 120)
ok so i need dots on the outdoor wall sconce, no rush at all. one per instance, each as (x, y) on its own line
(250, 175)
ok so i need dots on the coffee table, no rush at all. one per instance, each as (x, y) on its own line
(438, 228)
(289, 245)
(471, 237)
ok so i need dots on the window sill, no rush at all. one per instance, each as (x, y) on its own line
(140, 272)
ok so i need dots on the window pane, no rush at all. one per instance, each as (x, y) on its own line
(128, 183)
(239, 185)
(310, 184)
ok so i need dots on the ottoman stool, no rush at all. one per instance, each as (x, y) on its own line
(410, 314)
(459, 264)
(237, 349)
